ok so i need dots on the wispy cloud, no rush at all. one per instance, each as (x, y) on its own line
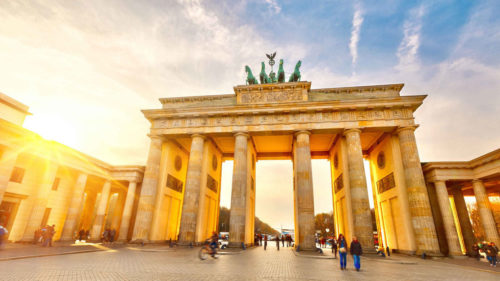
(408, 48)
(273, 6)
(357, 21)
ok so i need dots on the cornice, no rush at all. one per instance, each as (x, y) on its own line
(412, 102)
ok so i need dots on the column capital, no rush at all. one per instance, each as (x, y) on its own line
(351, 130)
(242, 133)
(302, 132)
(404, 128)
(156, 137)
(477, 181)
(198, 136)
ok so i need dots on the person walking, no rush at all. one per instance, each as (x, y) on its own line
(334, 247)
(3, 234)
(356, 252)
(265, 242)
(492, 252)
(283, 241)
(342, 244)
(475, 252)
(278, 242)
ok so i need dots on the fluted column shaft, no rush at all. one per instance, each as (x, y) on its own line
(149, 190)
(40, 201)
(304, 191)
(192, 193)
(237, 218)
(7, 163)
(464, 220)
(418, 199)
(74, 207)
(362, 220)
(127, 211)
(101, 211)
(448, 221)
(485, 213)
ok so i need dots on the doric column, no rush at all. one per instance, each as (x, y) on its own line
(7, 163)
(484, 208)
(74, 208)
(40, 201)
(148, 191)
(304, 191)
(362, 219)
(190, 206)
(463, 219)
(237, 218)
(127, 211)
(448, 221)
(420, 209)
(101, 211)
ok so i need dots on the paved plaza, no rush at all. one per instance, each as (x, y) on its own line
(162, 263)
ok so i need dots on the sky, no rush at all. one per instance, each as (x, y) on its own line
(86, 68)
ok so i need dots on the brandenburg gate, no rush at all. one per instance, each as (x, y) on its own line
(192, 136)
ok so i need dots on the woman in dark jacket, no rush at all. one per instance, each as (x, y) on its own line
(356, 252)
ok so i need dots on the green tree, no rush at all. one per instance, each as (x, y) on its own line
(223, 219)
(324, 221)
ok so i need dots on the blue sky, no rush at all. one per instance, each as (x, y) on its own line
(86, 68)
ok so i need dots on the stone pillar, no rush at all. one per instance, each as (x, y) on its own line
(304, 191)
(101, 211)
(485, 213)
(448, 221)
(127, 211)
(40, 201)
(8, 161)
(191, 202)
(149, 189)
(362, 219)
(420, 209)
(237, 218)
(464, 220)
(74, 208)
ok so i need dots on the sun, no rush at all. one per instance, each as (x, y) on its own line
(53, 127)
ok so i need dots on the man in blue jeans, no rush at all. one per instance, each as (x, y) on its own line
(356, 252)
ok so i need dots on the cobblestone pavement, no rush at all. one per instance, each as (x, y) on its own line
(161, 263)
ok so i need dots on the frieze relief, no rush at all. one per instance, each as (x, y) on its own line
(285, 95)
(284, 118)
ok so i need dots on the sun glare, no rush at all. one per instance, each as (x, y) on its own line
(53, 127)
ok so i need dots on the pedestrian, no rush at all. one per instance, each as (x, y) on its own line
(283, 241)
(492, 252)
(81, 234)
(342, 244)
(3, 234)
(475, 251)
(265, 242)
(52, 232)
(260, 239)
(380, 250)
(45, 236)
(334, 247)
(112, 235)
(278, 242)
(356, 252)
(105, 236)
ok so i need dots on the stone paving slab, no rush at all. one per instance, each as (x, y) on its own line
(22, 251)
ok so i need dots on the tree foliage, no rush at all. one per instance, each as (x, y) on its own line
(260, 226)
(322, 222)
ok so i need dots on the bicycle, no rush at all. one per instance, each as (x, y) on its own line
(206, 250)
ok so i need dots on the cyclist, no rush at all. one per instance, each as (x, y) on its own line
(214, 243)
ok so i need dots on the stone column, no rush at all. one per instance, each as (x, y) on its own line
(149, 189)
(74, 208)
(237, 218)
(40, 200)
(448, 221)
(101, 211)
(420, 209)
(464, 220)
(8, 161)
(484, 208)
(304, 191)
(362, 219)
(191, 202)
(127, 211)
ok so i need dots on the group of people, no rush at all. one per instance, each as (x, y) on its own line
(355, 249)
(83, 235)
(108, 236)
(45, 235)
(261, 240)
(490, 249)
